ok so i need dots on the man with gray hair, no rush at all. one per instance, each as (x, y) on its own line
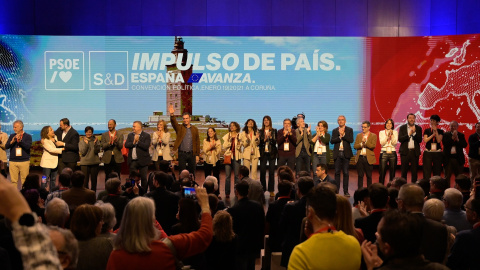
(66, 245)
(113, 186)
(453, 144)
(57, 212)
(453, 214)
(434, 234)
(19, 144)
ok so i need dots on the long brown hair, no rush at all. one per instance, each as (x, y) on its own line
(223, 226)
(44, 132)
(343, 218)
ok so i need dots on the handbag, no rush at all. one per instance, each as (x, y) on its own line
(227, 159)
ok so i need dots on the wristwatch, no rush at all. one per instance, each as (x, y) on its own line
(27, 219)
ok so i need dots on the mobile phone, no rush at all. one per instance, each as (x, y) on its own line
(189, 192)
(132, 182)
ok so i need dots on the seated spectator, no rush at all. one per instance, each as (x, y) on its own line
(138, 244)
(133, 182)
(286, 174)
(361, 203)
(57, 213)
(322, 176)
(343, 219)
(326, 248)
(463, 184)
(378, 194)
(425, 185)
(454, 215)
(35, 203)
(433, 209)
(166, 203)
(109, 219)
(291, 219)
(114, 198)
(104, 192)
(438, 185)
(392, 198)
(213, 203)
(255, 190)
(399, 238)
(274, 213)
(32, 181)
(466, 249)
(86, 225)
(211, 185)
(221, 252)
(398, 182)
(66, 245)
(78, 194)
(248, 224)
(434, 234)
(302, 174)
(63, 184)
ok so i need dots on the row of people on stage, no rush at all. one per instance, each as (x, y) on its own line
(297, 148)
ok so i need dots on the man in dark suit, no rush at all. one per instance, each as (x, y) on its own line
(342, 138)
(322, 176)
(474, 153)
(410, 137)
(139, 157)
(378, 203)
(78, 194)
(68, 138)
(166, 202)
(249, 225)
(434, 234)
(453, 144)
(465, 250)
(255, 190)
(274, 213)
(292, 216)
(112, 144)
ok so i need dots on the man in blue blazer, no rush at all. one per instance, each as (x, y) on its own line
(342, 138)
(138, 142)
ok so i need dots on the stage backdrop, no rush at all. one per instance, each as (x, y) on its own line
(221, 79)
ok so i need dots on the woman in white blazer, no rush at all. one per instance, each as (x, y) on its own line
(49, 159)
(212, 148)
(250, 138)
(231, 144)
(161, 144)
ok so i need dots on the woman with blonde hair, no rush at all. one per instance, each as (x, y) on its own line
(161, 144)
(138, 244)
(343, 219)
(221, 252)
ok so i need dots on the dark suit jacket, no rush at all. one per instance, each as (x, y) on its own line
(108, 147)
(274, 213)
(75, 197)
(369, 225)
(434, 240)
(291, 224)
(272, 143)
(448, 142)
(249, 225)
(403, 138)
(181, 130)
(465, 252)
(143, 144)
(346, 140)
(119, 203)
(71, 140)
(474, 144)
(166, 207)
(327, 179)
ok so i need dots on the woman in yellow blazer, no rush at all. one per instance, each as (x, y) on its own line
(49, 159)
(231, 144)
(161, 144)
(250, 138)
(212, 148)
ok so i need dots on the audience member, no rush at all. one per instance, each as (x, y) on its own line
(438, 185)
(66, 245)
(343, 219)
(378, 194)
(35, 203)
(361, 203)
(465, 251)
(398, 182)
(119, 202)
(63, 184)
(138, 244)
(454, 215)
(322, 176)
(255, 190)
(86, 225)
(210, 184)
(248, 224)
(326, 248)
(78, 194)
(57, 213)
(109, 219)
(463, 183)
(274, 213)
(392, 201)
(32, 181)
(223, 249)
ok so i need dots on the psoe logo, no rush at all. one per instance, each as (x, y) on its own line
(64, 70)
(108, 70)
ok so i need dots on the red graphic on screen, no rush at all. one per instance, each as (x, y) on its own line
(425, 76)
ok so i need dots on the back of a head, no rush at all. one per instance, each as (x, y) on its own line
(137, 229)
(412, 196)
(330, 185)
(109, 219)
(433, 209)
(32, 181)
(209, 187)
(223, 226)
(161, 178)
(305, 184)
(213, 202)
(323, 201)
(284, 188)
(343, 218)
(85, 220)
(243, 171)
(188, 214)
(403, 232)
(398, 182)
(212, 179)
(115, 174)
(359, 195)
(242, 188)
(454, 198)
(64, 179)
(286, 176)
(112, 186)
(475, 203)
(184, 174)
(439, 183)
(302, 174)
(378, 194)
(164, 166)
(67, 170)
(392, 195)
(77, 179)
(70, 244)
(425, 185)
(285, 168)
(57, 212)
(463, 182)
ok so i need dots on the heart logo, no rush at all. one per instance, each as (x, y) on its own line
(65, 76)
